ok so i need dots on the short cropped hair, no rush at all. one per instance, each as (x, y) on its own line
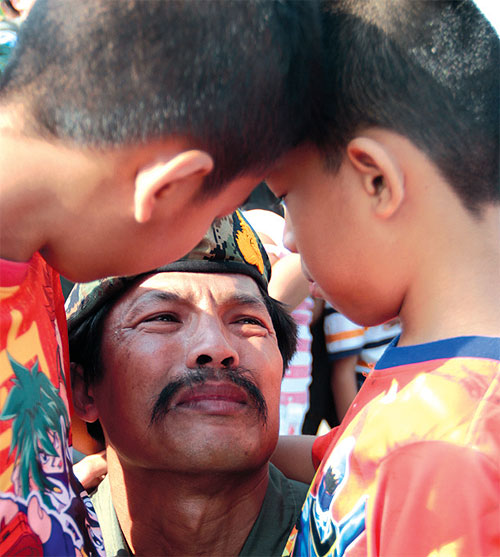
(236, 77)
(427, 70)
(85, 342)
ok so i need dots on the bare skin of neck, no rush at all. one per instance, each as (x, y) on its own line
(44, 186)
(27, 205)
(457, 288)
(168, 513)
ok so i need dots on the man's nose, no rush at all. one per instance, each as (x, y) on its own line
(211, 347)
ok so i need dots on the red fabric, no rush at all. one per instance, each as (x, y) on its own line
(12, 273)
(414, 468)
(320, 446)
(435, 496)
(34, 367)
(18, 539)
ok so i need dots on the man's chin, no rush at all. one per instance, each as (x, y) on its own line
(231, 437)
(231, 455)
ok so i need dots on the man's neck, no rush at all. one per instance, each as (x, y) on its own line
(168, 513)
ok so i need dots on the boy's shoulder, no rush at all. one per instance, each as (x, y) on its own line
(443, 391)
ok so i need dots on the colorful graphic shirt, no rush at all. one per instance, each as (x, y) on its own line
(414, 468)
(43, 507)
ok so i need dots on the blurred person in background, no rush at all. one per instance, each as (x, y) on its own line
(353, 352)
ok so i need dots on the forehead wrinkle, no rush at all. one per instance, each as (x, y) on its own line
(241, 299)
(189, 297)
(155, 295)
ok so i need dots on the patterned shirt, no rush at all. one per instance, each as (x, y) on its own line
(43, 507)
(414, 468)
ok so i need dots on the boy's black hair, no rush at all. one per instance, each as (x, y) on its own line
(236, 77)
(427, 70)
(85, 343)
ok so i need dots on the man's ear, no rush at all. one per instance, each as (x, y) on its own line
(165, 174)
(83, 400)
(381, 175)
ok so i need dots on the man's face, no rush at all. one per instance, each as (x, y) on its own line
(191, 374)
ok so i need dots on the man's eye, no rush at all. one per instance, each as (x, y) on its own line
(163, 317)
(250, 321)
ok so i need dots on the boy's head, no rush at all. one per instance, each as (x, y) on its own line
(224, 74)
(426, 70)
(231, 80)
(410, 127)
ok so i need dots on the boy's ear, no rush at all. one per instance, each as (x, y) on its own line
(164, 175)
(381, 175)
(83, 400)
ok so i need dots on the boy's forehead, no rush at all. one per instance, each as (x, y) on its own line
(291, 166)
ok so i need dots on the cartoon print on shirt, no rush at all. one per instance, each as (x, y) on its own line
(34, 515)
(49, 308)
(42, 507)
(329, 536)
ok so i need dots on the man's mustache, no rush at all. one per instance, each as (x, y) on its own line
(197, 376)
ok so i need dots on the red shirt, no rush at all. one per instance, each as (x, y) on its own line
(414, 468)
(41, 502)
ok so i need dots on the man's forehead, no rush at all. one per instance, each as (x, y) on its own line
(190, 286)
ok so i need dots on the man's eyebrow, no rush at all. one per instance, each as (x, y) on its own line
(151, 296)
(245, 300)
(162, 295)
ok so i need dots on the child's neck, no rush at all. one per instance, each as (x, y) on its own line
(27, 207)
(458, 294)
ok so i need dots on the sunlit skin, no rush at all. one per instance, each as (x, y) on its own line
(200, 455)
(385, 231)
(331, 225)
(171, 323)
(108, 228)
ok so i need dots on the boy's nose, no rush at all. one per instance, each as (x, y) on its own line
(289, 235)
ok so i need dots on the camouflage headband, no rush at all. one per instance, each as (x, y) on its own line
(230, 246)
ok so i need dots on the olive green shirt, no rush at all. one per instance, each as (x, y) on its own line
(280, 510)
